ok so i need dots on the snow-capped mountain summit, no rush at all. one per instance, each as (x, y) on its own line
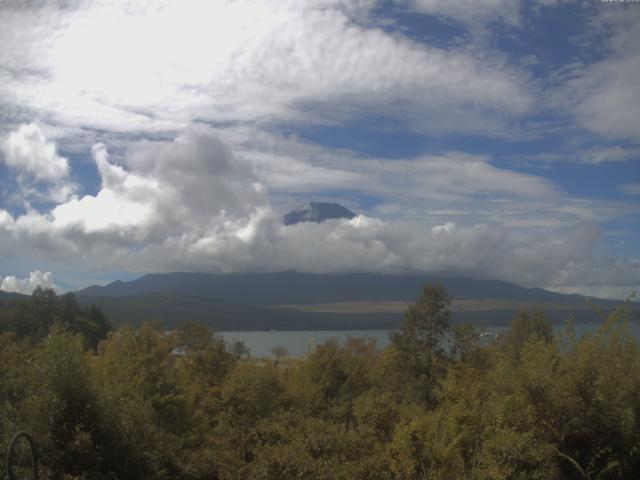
(317, 212)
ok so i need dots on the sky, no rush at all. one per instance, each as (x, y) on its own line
(487, 138)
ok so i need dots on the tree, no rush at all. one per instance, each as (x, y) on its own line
(250, 394)
(239, 350)
(419, 342)
(525, 327)
(32, 317)
(207, 354)
(62, 409)
(90, 321)
(279, 352)
(140, 395)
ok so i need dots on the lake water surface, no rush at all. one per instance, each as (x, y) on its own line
(299, 343)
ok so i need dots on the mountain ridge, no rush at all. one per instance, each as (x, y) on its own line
(290, 287)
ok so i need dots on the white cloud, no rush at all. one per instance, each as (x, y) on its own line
(459, 174)
(423, 185)
(609, 154)
(187, 186)
(164, 187)
(620, 293)
(472, 12)
(5, 218)
(591, 156)
(124, 202)
(28, 150)
(28, 284)
(603, 95)
(42, 173)
(446, 228)
(561, 259)
(630, 188)
(434, 189)
(477, 15)
(243, 61)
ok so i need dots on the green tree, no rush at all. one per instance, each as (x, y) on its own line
(526, 326)
(141, 396)
(333, 376)
(33, 317)
(62, 410)
(207, 354)
(279, 352)
(291, 446)
(239, 350)
(419, 342)
(250, 394)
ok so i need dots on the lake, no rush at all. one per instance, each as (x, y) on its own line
(299, 343)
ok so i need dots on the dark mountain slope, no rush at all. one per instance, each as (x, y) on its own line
(7, 297)
(305, 288)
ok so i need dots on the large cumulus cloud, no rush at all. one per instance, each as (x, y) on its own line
(28, 284)
(41, 173)
(190, 204)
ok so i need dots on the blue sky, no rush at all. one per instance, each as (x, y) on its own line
(490, 138)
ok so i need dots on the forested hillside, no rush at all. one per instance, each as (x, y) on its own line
(439, 403)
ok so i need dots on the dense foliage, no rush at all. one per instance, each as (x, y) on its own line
(439, 403)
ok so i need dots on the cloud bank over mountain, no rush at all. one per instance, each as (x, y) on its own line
(190, 205)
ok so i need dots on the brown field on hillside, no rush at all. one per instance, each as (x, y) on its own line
(392, 306)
